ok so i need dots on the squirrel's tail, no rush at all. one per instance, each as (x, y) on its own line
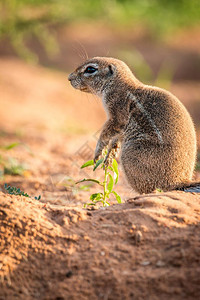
(191, 187)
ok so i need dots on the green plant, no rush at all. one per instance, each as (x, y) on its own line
(12, 190)
(111, 176)
(70, 184)
(9, 165)
(13, 167)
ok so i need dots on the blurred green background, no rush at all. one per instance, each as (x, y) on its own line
(159, 39)
(23, 18)
(21, 21)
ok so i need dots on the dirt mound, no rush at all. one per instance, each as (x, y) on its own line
(148, 246)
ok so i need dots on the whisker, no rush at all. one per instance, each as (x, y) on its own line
(79, 52)
(83, 50)
(108, 52)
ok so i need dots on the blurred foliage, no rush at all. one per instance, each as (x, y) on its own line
(9, 165)
(136, 61)
(160, 16)
(22, 19)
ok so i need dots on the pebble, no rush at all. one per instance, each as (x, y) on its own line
(145, 263)
(160, 263)
(138, 236)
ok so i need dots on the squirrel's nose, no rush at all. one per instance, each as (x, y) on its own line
(70, 77)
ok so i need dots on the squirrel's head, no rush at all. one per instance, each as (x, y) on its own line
(98, 73)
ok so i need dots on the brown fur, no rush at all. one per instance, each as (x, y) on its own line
(156, 132)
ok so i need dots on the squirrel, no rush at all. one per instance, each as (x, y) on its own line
(156, 132)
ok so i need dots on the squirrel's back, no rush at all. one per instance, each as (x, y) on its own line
(159, 141)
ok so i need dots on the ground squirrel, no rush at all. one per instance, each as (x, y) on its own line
(157, 135)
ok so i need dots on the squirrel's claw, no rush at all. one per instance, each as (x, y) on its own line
(96, 157)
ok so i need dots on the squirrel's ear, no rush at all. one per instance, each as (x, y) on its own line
(111, 69)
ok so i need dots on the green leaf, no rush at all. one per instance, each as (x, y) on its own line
(115, 168)
(110, 183)
(93, 180)
(111, 168)
(85, 187)
(96, 196)
(10, 146)
(88, 204)
(87, 164)
(118, 198)
(98, 163)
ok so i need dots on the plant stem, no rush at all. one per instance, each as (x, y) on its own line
(105, 186)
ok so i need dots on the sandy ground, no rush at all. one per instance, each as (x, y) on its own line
(145, 248)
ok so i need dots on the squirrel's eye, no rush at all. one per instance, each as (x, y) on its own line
(90, 70)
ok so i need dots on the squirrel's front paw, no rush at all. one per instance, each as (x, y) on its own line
(97, 154)
(96, 158)
(98, 151)
(107, 160)
(111, 154)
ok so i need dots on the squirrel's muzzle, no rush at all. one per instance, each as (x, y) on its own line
(71, 77)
